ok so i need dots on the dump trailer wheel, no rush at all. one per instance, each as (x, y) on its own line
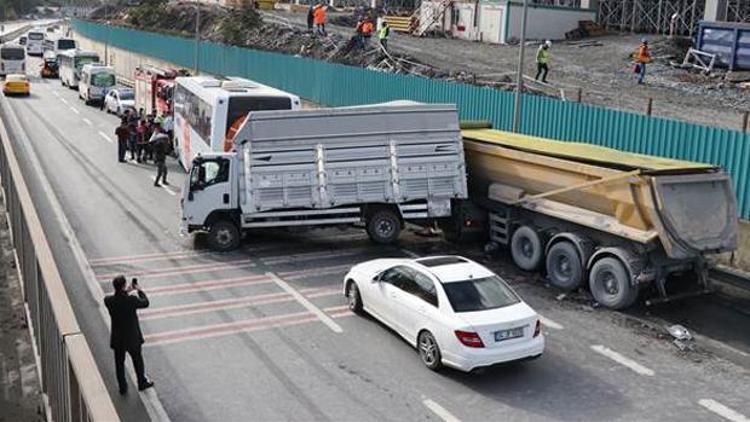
(564, 266)
(223, 236)
(384, 226)
(526, 248)
(610, 284)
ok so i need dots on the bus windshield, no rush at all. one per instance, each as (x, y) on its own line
(12, 54)
(36, 36)
(240, 106)
(84, 60)
(66, 44)
(103, 80)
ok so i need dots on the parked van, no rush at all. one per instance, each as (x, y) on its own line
(96, 81)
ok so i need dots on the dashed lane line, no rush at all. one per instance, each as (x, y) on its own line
(73, 109)
(723, 411)
(64, 101)
(549, 323)
(106, 138)
(440, 411)
(324, 318)
(87, 121)
(622, 360)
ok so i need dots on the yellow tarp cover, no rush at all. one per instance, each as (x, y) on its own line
(581, 152)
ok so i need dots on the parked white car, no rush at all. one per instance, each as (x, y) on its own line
(118, 100)
(454, 311)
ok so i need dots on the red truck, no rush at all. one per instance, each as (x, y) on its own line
(154, 88)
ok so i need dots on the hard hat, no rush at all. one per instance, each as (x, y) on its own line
(548, 43)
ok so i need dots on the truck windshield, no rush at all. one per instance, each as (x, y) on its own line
(12, 54)
(103, 80)
(209, 172)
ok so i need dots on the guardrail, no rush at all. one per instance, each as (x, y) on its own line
(71, 382)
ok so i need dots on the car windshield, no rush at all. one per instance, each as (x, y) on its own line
(103, 79)
(15, 78)
(126, 95)
(480, 294)
(12, 53)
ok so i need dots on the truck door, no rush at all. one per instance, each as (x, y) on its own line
(209, 189)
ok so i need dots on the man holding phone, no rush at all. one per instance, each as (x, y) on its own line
(126, 333)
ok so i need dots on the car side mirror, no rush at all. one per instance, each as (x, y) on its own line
(378, 278)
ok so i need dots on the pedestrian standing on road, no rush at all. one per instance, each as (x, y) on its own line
(542, 61)
(160, 146)
(141, 140)
(126, 336)
(123, 135)
(310, 17)
(319, 17)
(133, 140)
(383, 33)
(642, 57)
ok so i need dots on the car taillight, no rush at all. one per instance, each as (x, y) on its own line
(469, 339)
(538, 328)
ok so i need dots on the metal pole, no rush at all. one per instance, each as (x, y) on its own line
(519, 81)
(106, 41)
(197, 34)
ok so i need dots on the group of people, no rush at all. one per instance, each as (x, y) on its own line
(146, 137)
(317, 15)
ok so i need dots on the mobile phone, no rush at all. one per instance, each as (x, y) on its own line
(134, 281)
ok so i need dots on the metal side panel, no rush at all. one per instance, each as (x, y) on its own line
(698, 212)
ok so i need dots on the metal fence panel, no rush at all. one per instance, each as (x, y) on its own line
(338, 85)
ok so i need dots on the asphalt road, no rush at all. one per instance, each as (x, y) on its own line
(227, 342)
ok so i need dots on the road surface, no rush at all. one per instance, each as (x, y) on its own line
(226, 341)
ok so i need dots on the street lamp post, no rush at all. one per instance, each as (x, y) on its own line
(197, 34)
(519, 83)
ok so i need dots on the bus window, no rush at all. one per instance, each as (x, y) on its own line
(12, 54)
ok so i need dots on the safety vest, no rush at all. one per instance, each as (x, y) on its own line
(542, 55)
(319, 15)
(384, 32)
(367, 28)
(643, 55)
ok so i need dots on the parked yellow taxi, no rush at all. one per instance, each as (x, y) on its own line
(16, 85)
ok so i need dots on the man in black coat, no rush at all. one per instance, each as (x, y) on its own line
(126, 333)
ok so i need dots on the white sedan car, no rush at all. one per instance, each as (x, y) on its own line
(454, 311)
(118, 100)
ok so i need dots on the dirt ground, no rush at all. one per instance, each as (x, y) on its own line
(603, 72)
(20, 397)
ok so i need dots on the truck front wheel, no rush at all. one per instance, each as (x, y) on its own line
(383, 227)
(223, 236)
(610, 284)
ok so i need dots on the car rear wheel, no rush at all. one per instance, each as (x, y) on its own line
(429, 351)
(354, 299)
(610, 284)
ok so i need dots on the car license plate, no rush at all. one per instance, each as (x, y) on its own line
(508, 334)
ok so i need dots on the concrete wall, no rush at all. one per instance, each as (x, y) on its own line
(546, 22)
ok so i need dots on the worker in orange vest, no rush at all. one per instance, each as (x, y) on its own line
(367, 29)
(642, 57)
(319, 18)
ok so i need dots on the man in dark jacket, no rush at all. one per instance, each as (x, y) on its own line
(160, 146)
(126, 333)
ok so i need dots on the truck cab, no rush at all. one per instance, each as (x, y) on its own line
(210, 194)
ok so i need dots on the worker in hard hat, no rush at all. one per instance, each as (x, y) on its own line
(542, 61)
(383, 33)
(642, 57)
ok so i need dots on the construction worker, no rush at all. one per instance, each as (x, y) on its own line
(542, 61)
(310, 17)
(367, 29)
(383, 33)
(319, 18)
(642, 57)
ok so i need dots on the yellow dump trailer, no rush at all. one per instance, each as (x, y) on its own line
(618, 220)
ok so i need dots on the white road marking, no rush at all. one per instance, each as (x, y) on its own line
(64, 101)
(56, 94)
(87, 121)
(73, 109)
(166, 188)
(324, 318)
(410, 254)
(440, 411)
(622, 360)
(723, 411)
(106, 138)
(150, 399)
(549, 323)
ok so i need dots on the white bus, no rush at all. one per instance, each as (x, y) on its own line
(96, 81)
(71, 62)
(12, 59)
(207, 109)
(35, 43)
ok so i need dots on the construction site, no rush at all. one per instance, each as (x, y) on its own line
(591, 59)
